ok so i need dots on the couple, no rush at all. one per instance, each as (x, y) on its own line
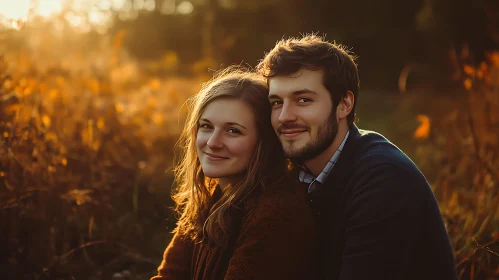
(349, 205)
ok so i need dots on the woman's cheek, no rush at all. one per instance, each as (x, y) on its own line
(201, 140)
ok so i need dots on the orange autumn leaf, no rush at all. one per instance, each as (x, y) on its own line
(155, 83)
(468, 69)
(493, 58)
(157, 118)
(118, 39)
(423, 131)
(53, 94)
(101, 123)
(7, 84)
(479, 74)
(42, 87)
(468, 84)
(94, 85)
(27, 91)
(119, 107)
(46, 121)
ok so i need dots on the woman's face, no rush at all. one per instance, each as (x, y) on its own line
(226, 139)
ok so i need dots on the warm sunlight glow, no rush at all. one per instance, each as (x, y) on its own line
(150, 5)
(14, 9)
(168, 7)
(46, 8)
(84, 15)
(118, 4)
(185, 7)
(19, 9)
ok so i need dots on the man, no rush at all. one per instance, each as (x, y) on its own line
(377, 213)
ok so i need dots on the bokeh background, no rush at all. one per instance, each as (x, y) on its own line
(91, 96)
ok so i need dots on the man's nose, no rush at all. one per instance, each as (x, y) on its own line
(215, 141)
(287, 113)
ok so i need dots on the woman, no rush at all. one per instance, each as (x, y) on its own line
(241, 217)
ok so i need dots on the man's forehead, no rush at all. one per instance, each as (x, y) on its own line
(305, 79)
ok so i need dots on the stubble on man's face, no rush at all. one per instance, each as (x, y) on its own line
(323, 138)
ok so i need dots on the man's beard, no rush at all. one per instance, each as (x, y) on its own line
(325, 136)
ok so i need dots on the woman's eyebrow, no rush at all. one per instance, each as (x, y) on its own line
(235, 123)
(227, 123)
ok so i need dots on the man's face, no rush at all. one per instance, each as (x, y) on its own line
(302, 113)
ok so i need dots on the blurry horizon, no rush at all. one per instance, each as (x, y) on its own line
(419, 33)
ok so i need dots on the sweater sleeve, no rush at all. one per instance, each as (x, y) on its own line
(384, 218)
(177, 259)
(276, 241)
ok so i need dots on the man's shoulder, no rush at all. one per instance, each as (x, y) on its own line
(372, 148)
(371, 162)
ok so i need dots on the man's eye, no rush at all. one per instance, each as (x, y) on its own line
(276, 103)
(303, 100)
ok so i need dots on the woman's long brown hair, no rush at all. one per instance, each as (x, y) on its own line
(201, 218)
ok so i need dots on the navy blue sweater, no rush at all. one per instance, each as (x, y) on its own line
(378, 216)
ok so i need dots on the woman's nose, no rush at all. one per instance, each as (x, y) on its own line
(215, 141)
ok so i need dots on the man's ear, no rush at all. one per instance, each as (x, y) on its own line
(345, 106)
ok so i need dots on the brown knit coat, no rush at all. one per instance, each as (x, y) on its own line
(276, 240)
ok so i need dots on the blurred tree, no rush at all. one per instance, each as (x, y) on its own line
(386, 34)
(208, 26)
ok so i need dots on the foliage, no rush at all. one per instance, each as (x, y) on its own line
(464, 150)
(86, 135)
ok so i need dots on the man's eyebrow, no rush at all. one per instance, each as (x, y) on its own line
(305, 90)
(296, 92)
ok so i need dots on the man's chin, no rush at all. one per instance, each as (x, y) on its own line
(302, 154)
(293, 154)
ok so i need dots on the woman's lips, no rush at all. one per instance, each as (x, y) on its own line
(215, 157)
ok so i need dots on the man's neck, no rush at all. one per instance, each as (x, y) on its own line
(317, 164)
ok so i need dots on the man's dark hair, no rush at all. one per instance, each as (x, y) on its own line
(314, 53)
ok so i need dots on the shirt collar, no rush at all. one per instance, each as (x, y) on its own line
(306, 177)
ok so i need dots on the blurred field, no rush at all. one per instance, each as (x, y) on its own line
(87, 134)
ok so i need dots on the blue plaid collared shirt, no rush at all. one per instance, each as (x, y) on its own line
(306, 177)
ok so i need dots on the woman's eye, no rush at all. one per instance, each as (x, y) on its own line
(205, 126)
(234, 131)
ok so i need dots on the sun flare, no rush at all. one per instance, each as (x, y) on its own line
(15, 10)
(19, 9)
